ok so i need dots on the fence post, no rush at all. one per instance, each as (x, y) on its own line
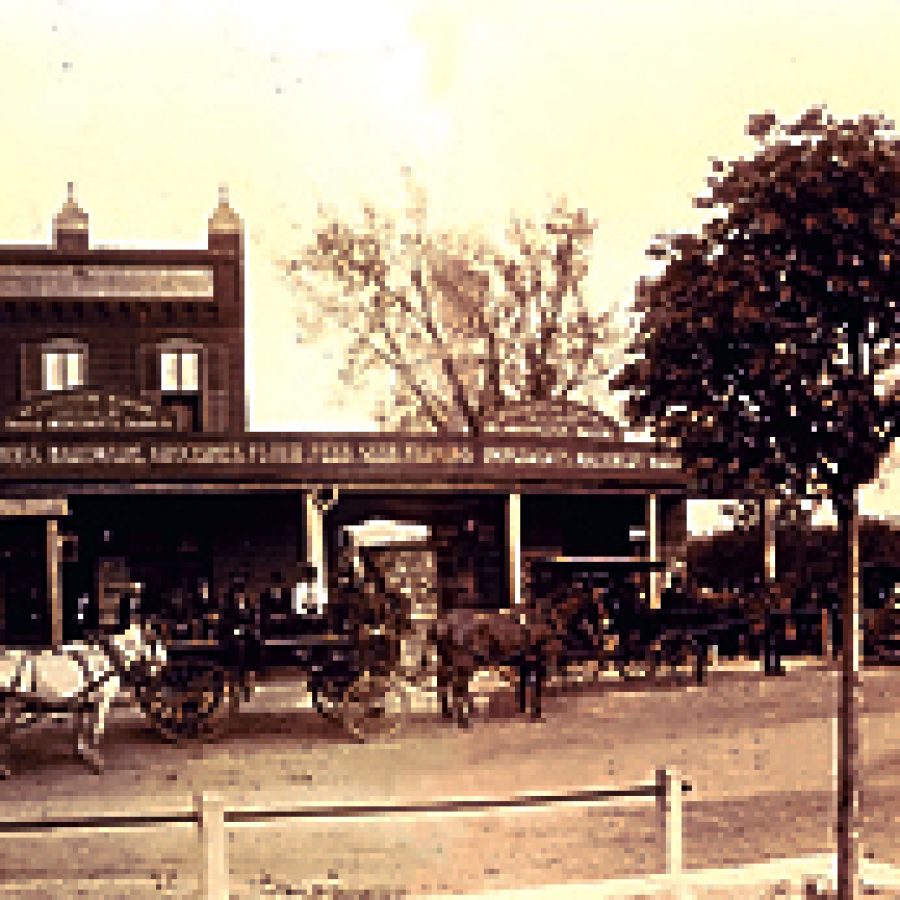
(211, 818)
(668, 803)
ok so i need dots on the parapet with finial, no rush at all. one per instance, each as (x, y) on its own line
(70, 224)
(224, 220)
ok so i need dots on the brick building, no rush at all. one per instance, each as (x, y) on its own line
(118, 342)
(152, 335)
(126, 466)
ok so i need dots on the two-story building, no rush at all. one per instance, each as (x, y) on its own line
(126, 465)
(110, 345)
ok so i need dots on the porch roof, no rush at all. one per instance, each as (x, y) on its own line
(403, 461)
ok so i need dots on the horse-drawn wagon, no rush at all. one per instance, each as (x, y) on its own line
(347, 653)
(206, 679)
(189, 675)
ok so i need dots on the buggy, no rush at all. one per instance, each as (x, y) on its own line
(347, 651)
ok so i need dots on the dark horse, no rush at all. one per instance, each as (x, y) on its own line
(528, 638)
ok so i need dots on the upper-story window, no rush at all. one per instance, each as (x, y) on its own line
(182, 381)
(62, 367)
(179, 371)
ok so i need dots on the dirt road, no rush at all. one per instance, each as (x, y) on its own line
(758, 753)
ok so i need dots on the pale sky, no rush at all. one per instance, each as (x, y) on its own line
(497, 106)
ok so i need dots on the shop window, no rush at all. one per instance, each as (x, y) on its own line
(62, 368)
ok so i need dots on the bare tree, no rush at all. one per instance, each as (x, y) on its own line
(467, 327)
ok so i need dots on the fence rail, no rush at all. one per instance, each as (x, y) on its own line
(212, 817)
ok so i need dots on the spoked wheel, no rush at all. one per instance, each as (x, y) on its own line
(372, 707)
(327, 698)
(369, 707)
(192, 700)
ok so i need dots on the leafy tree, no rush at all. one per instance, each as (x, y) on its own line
(767, 350)
(768, 346)
(466, 326)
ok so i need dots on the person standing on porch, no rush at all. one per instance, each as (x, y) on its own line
(774, 634)
(242, 631)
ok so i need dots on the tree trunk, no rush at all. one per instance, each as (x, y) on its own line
(848, 818)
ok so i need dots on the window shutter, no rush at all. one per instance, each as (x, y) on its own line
(29, 369)
(216, 381)
(148, 371)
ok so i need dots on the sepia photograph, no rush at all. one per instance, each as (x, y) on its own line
(448, 449)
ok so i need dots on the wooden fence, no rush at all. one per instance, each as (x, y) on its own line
(212, 817)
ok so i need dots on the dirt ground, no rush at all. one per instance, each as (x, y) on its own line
(758, 753)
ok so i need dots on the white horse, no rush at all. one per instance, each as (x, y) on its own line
(80, 680)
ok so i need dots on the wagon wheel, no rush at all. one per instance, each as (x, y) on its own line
(193, 700)
(373, 706)
(327, 696)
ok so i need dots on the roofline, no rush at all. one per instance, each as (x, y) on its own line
(112, 256)
(332, 437)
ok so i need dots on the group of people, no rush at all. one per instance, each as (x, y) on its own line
(240, 615)
(193, 610)
(773, 612)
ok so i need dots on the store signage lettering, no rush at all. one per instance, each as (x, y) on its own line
(143, 454)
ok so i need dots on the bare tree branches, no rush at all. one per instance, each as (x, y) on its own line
(466, 326)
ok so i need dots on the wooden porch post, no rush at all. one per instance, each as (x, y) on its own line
(54, 583)
(768, 524)
(514, 548)
(653, 549)
(315, 542)
(317, 503)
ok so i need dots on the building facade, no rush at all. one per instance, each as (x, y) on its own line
(127, 471)
(111, 344)
(152, 334)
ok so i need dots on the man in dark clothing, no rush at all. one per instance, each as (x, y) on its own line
(274, 610)
(774, 634)
(242, 632)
